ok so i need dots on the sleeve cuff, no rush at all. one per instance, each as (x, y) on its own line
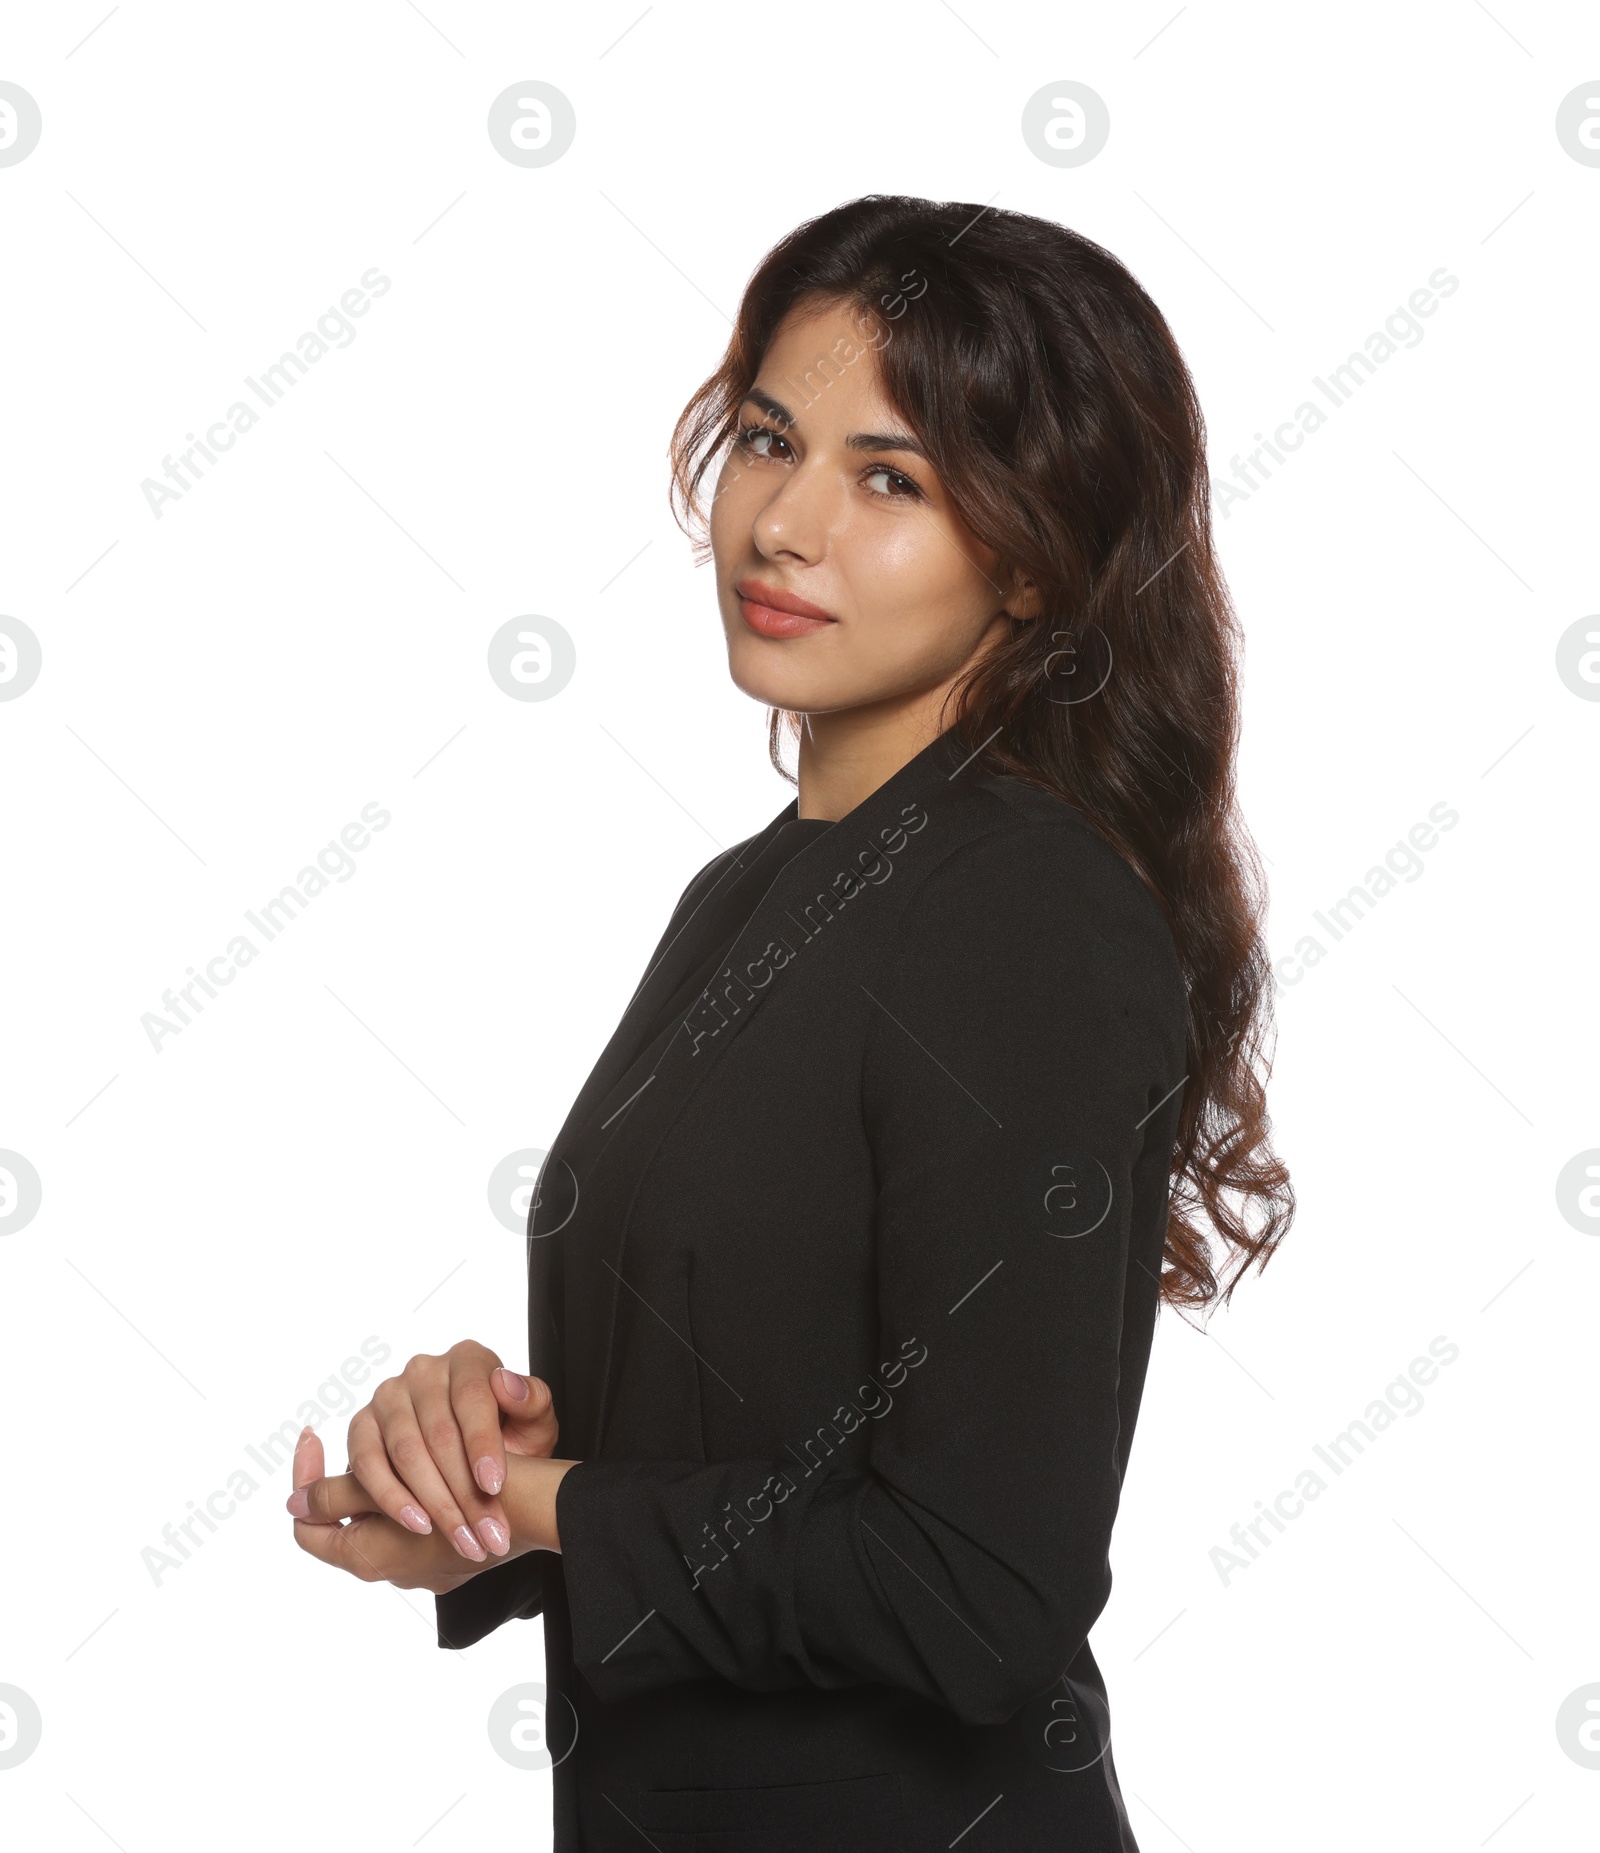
(509, 1591)
(613, 1547)
(668, 1580)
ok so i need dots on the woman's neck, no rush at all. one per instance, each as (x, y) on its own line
(847, 754)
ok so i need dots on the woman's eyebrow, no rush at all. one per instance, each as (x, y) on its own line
(884, 440)
(857, 440)
(774, 408)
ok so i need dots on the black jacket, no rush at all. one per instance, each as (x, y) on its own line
(844, 1270)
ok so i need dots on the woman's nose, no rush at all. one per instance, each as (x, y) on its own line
(799, 514)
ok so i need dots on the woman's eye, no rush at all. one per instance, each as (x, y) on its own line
(901, 488)
(759, 441)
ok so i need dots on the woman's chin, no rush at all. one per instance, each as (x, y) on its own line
(767, 683)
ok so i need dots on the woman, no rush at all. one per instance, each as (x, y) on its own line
(845, 1265)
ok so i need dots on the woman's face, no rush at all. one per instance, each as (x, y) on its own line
(826, 508)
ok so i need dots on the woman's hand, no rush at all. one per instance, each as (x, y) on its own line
(372, 1547)
(431, 1447)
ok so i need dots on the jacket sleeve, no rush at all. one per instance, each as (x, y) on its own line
(1024, 1026)
(503, 1592)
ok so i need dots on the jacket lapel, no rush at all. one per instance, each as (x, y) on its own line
(676, 957)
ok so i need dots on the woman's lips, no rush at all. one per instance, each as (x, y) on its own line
(772, 612)
(769, 623)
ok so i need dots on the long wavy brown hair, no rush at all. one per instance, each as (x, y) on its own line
(1057, 409)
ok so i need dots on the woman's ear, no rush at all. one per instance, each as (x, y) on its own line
(1022, 600)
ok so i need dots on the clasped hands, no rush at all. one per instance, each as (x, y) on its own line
(451, 1471)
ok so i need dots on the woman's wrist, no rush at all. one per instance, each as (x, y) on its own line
(529, 1497)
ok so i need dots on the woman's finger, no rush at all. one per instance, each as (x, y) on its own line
(527, 1409)
(410, 1461)
(322, 1536)
(437, 1423)
(369, 1462)
(413, 1461)
(327, 1500)
(306, 1467)
(310, 1485)
(477, 1413)
(422, 1394)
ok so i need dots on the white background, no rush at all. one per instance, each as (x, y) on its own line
(305, 632)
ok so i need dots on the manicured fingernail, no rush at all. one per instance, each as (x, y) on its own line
(299, 1503)
(516, 1387)
(488, 1474)
(495, 1535)
(418, 1521)
(469, 1545)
